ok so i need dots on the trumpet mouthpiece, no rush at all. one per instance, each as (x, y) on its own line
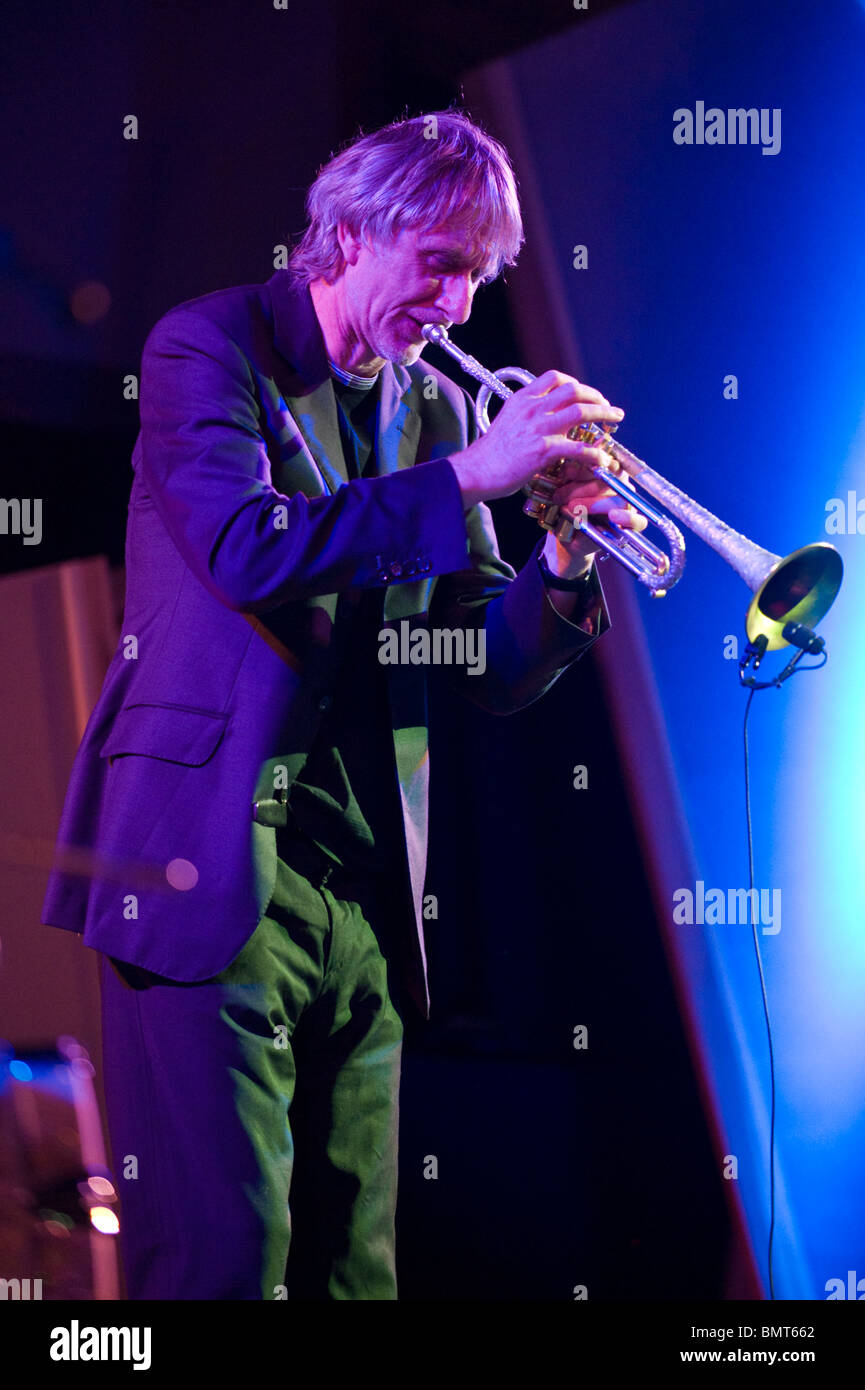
(435, 333)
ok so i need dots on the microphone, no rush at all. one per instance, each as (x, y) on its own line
(798, 635)
(754, 651)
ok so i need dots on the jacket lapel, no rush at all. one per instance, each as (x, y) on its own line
(308, 392)
(398, 425)
(307, 387)
(310, 398)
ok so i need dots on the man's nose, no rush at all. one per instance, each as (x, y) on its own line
(455, 298)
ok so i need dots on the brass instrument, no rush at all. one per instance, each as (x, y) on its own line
(799, 588)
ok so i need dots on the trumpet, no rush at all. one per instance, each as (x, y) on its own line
(799, 587)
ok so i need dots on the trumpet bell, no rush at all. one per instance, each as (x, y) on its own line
(800, 588)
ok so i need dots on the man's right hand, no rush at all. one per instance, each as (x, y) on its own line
(530, 433)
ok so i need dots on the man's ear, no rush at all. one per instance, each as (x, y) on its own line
(349, 243)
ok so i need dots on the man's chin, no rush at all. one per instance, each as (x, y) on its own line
(406, 354)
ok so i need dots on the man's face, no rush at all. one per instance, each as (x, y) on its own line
(418, 277)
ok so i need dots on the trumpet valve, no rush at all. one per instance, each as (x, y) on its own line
(542, 486)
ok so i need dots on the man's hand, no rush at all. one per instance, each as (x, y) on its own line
(592, 499)
(571, 560)
(529, 433)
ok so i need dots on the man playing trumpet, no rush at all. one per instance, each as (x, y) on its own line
(302, 479)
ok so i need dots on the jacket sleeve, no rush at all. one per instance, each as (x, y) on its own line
(527, 642)
(203, 461)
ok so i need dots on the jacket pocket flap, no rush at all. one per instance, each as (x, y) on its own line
(172, 732)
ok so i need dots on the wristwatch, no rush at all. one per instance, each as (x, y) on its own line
(553, 581)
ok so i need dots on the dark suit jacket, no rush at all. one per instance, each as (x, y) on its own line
(244, 534)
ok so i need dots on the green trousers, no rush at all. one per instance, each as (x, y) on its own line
(261, 1107)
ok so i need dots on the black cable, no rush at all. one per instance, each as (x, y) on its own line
(750, 831)
(791, 669)
(755, 652)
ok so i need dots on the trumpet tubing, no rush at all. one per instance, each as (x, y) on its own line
(658, 571)
(800, 587)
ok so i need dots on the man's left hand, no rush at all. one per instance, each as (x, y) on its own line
(590, 497)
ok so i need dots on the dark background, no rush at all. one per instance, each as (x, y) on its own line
(556, 1167)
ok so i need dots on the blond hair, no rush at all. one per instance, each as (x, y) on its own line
(422, 171)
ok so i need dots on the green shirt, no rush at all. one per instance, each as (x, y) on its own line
(345, 796)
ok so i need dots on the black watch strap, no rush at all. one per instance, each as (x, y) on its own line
(552, 581)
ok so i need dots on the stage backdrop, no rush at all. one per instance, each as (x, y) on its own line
(720, 299)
